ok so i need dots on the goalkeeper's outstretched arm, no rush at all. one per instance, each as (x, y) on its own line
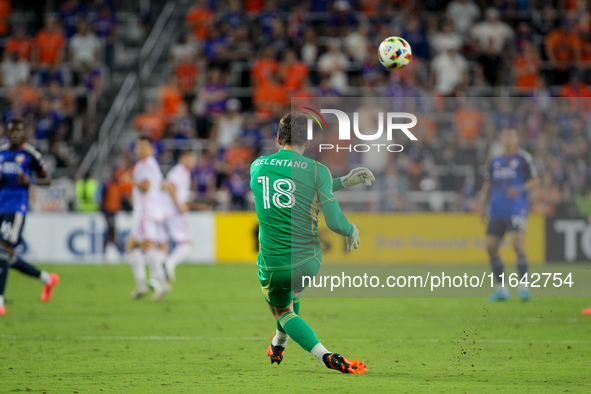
(354, 177)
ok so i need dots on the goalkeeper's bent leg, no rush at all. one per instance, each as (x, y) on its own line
(296, 309)
(303, 334)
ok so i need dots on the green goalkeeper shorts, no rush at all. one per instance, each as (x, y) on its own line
(278, 286)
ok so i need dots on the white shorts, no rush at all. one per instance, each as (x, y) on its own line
(177, 228)
(146, 229)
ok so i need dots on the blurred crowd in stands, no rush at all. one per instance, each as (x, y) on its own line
(54, 62)
(234, 72)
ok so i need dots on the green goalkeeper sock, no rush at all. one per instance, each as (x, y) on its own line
(296, 309)
(299, 331)
(296, 305)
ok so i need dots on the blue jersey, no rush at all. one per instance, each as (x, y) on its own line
(26, 160)
(504, 172)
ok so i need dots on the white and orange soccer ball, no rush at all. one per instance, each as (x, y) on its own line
(394, 52)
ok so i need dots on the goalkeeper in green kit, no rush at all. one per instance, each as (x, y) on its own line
(289, 190)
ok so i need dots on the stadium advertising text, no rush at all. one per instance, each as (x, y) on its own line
(568, 240)
(396, 239)
(79, 237)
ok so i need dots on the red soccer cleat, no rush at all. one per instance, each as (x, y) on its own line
(48, 288)
(2, 311)
(586, 312)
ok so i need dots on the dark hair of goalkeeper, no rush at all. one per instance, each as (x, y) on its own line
(293, 129)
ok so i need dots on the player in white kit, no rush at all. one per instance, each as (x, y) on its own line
(177, 189)
(148, 217)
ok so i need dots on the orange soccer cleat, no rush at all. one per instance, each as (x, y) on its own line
(586, 312)
(2, 311)
(48, 288)
(340, 363)
(276, 353)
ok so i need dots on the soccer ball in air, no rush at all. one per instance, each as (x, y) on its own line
(394, 52)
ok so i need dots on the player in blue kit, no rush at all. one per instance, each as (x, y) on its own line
(509, 180)
(18, 162)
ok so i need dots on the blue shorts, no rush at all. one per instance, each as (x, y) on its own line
(499, 227)
(11, 227)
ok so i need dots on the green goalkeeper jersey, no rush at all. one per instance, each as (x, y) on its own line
(289, 189)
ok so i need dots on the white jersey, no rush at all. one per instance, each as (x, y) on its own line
(180, 177)
(148, 205)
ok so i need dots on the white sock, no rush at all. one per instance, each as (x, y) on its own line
(280, 339)
(44, 277)
(136, 257)
(1, 300)
(319, 351)
(155, 258)
(179, 254)
(160, 259)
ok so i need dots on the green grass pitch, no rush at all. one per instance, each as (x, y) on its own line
(210, 334)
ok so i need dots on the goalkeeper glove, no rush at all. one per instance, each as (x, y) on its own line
(358, 175)
(353, 240)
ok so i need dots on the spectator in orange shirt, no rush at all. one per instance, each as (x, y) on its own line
(574, 89)
(527, 67)
(171, 97)
(49, 44)
(270, 98)
(253, 6)
(370, 8)
(25, 93)
(124, 176)
(264, 66)
(5, 10)
(152, 122)
(563, 48)
(468, 121)
(111, 203)
(186, 73)
(584, 32)
(199, 19)
(237, 156)
(292, 71)
(20, 44)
